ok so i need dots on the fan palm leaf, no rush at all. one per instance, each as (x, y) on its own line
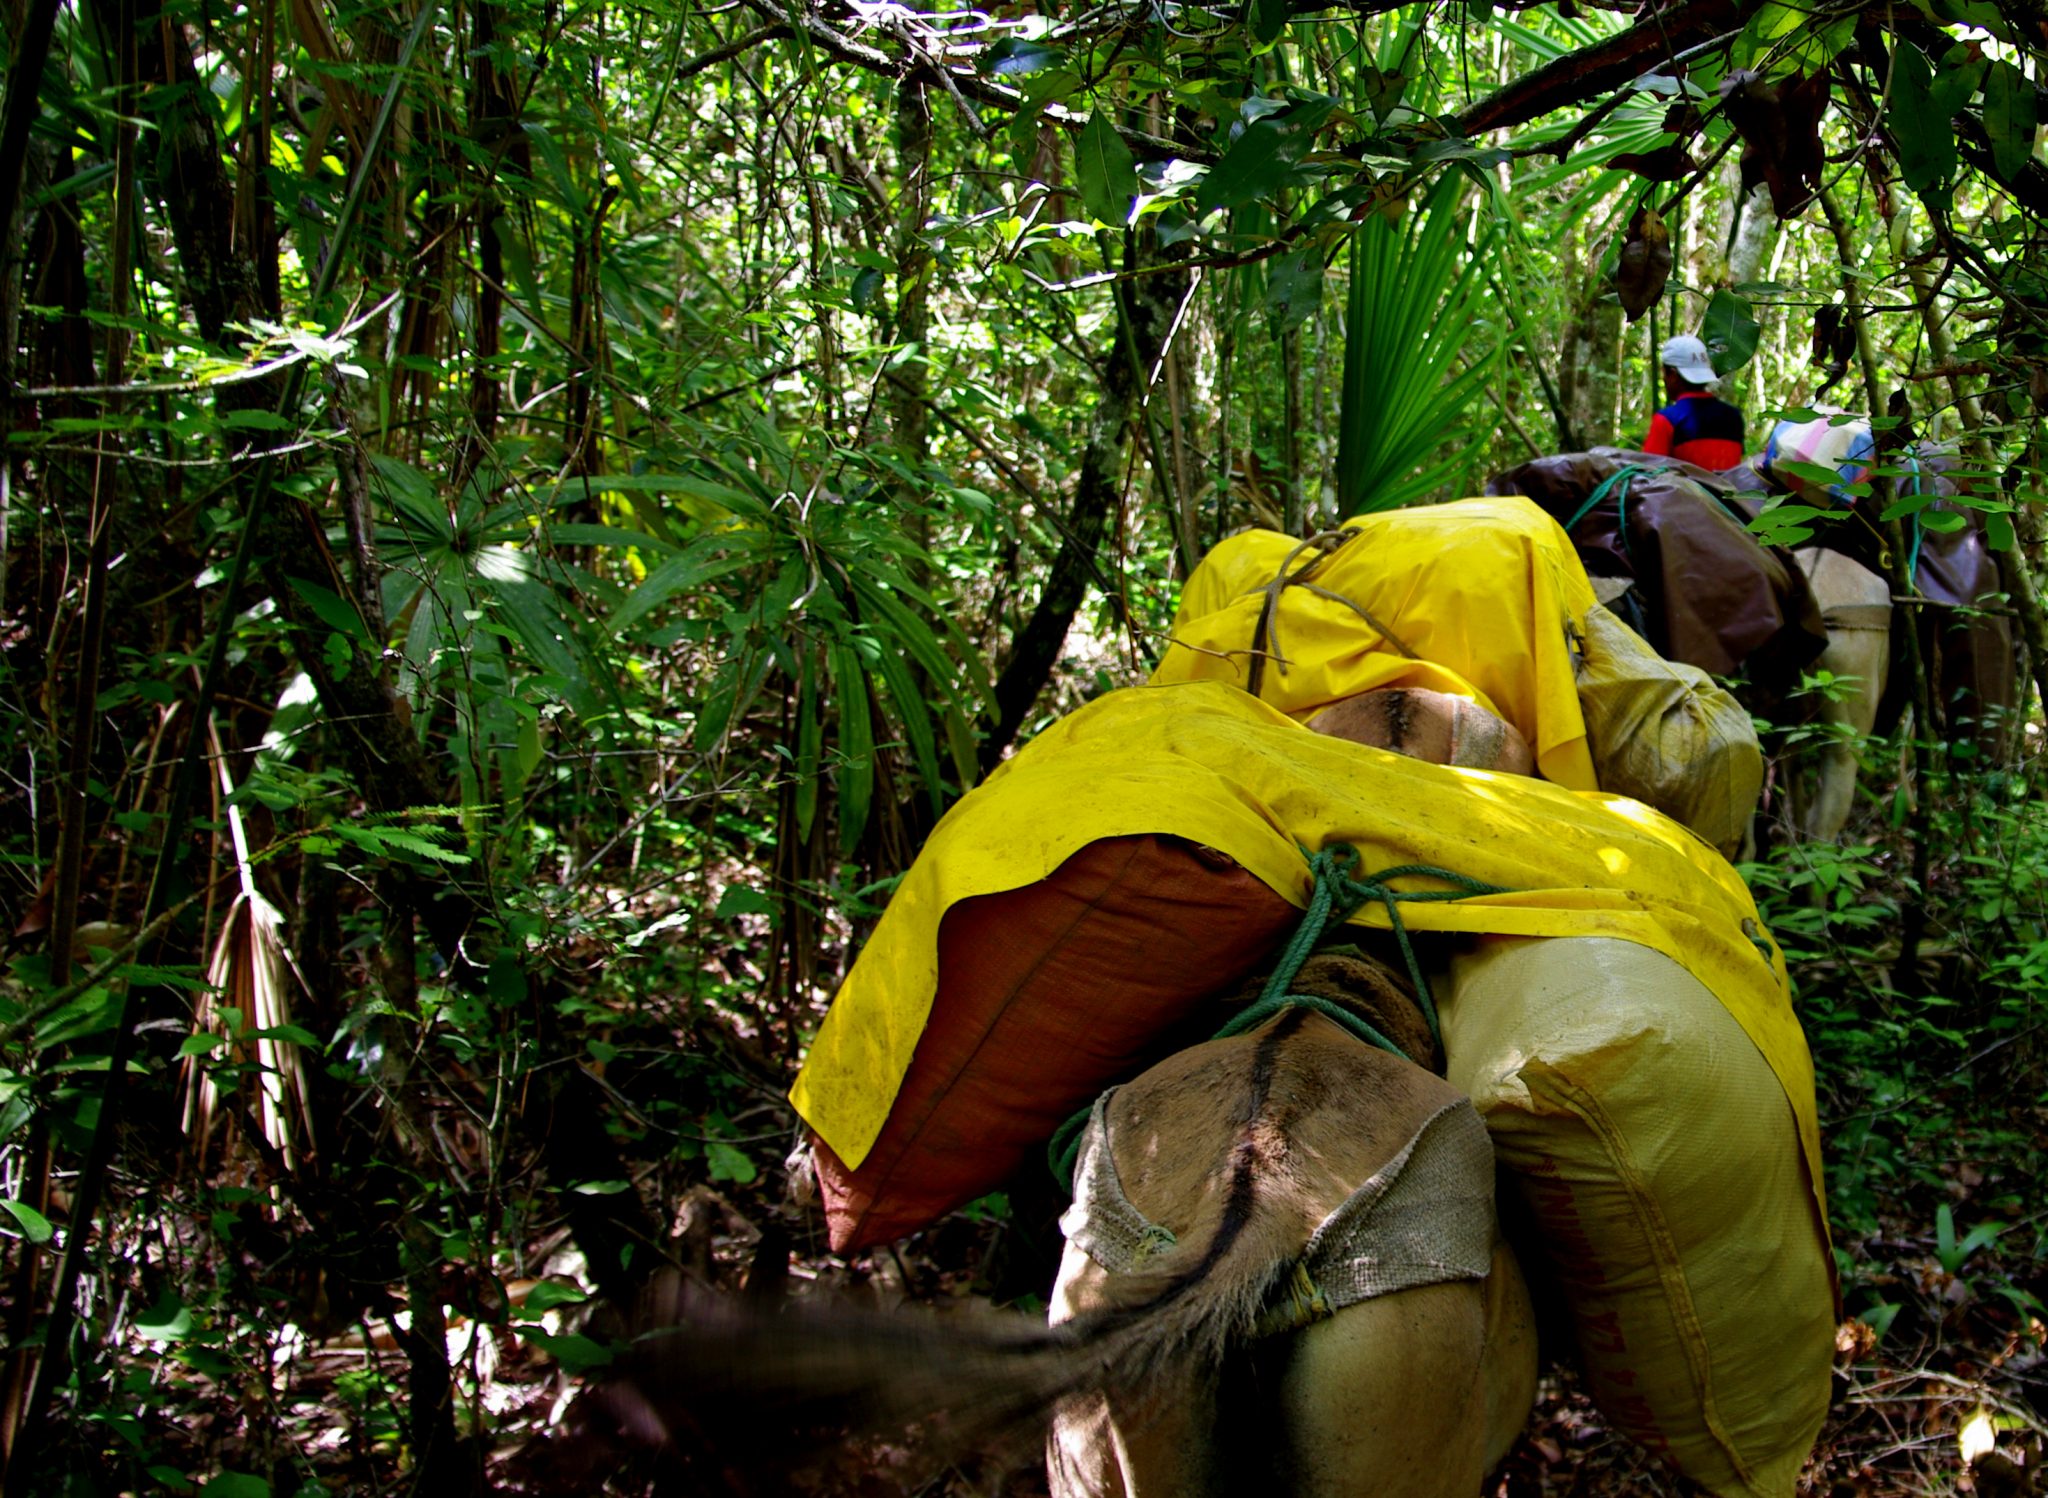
(1409, 373)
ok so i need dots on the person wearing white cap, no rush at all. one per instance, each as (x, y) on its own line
(1698, 426)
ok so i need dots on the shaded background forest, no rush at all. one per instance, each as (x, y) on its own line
(519, 517)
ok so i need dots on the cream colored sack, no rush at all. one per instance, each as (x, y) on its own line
(1665, 734)
(1657, 1151)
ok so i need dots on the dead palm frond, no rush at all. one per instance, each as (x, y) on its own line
(249, 975)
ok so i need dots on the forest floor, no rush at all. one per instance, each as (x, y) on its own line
(1934, 1135)
(1957, 1348)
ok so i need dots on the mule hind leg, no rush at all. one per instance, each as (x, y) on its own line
(1388, 1397)
(1155, 1442)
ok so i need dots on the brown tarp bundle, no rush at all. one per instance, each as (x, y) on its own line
(1704, 591)
(1971, 653)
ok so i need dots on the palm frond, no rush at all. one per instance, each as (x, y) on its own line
(1416, 292)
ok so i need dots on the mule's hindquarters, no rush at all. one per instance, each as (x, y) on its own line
(1413, 1395)
(1290, 1177)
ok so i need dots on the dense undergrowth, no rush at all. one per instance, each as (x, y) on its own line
(1932, 1072)
(260, 1343)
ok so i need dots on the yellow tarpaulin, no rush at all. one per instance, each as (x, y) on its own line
(1205, 761)
(1486, 594)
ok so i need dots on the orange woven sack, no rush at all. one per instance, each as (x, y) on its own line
(1048, 994)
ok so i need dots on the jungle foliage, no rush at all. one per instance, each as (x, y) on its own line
(518, 516)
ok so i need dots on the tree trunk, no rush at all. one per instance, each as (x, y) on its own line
(1144, 313)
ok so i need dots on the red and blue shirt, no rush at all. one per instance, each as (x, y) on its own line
(1698, 428)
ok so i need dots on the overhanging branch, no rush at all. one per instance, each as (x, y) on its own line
(1579, 76)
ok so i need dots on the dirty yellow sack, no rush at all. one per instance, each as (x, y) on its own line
(1484, 599)
(1656, 1150)
(1665, 733)
(1206, 762)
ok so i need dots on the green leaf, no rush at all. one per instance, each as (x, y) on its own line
(604, 535)
(1016, 56)
(389, 841)
(1926, 140)
(1294, 287)
(235, 1485)
(706, 559)
(1730, 332)
(1976, 1238)
(1796, 38)
(726, 1163)
(334, 611)
(856, 771)
(1792, 514)
(739, 900)
(1879, 1318)
(915, 716)
(915, 636)
(518, 260)
(867, 287)
(1413, 311)
(505, 980)
(554, 638)
(91, 1013)
(168, 1320)
(574, 1352)
(1107, 172)
(1259, 160)
(1961, 75)
(34, 1226)
(294, 1034)
(2010, 115)
(1998, 531)
(256, 421)
(809, 741)
(1268, 20)
(549, 1294)
(602, 1188)
(1819, 475)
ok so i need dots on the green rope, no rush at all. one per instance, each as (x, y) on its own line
(1625, 477)
(1266, 1006)
(1339, 893)
(1622, 476)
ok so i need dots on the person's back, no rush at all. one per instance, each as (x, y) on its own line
(1697, 426)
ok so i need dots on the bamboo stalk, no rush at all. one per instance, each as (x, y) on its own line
(50, 1368)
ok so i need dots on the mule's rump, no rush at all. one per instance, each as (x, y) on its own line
(1309, 1223)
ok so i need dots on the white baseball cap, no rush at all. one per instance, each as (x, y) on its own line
(1688, 356)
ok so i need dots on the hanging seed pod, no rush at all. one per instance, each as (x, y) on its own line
(1644, 264)
(1779, 122)
(1827, 320)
